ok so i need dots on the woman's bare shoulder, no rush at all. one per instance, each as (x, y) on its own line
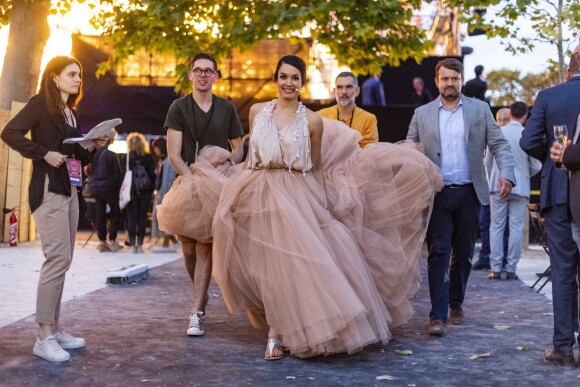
(255, 108)
(314, 119)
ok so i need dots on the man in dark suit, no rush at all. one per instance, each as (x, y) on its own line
(373, 92)
(558, 105)
(476, 87)
(455, 132)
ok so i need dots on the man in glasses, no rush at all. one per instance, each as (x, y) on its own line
(194, 121)
(346, 89)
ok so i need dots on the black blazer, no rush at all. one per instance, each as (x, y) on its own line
(475, 88)
(47, 134)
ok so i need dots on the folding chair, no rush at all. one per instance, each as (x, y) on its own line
(90, 216)
(539, 227)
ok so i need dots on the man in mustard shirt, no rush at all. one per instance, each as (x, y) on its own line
(346, 90)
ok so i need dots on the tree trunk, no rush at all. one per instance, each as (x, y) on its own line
(29, 32)
(561, 63)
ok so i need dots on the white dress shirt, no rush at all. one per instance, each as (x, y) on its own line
(454, 160)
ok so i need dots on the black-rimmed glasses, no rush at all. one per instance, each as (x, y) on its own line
(207, 72)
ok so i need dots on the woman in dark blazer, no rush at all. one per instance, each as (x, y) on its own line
(50, 117)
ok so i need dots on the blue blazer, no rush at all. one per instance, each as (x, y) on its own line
(557, 105)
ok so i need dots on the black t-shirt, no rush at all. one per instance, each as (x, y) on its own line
(216, 127)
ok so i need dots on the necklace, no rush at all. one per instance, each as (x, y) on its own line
(68, 116)
(351, 116)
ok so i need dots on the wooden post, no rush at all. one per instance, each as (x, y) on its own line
(4, 118)
(18, 175)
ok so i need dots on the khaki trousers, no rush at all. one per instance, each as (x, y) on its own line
(56, 221)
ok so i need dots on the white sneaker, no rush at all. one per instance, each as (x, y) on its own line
(68, 341)
(115, 246)
(50, 350)
(195, 325)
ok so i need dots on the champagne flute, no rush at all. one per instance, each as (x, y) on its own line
(561, 136)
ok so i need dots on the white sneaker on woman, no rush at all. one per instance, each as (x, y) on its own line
(68, 341)
(196, 325)
(50, 350)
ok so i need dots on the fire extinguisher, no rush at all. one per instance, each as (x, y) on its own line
(13, 229)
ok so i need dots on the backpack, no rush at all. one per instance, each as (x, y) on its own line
(141, 179)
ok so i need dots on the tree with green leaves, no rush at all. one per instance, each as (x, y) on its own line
(553, 21)
(508, 86)
(28, 34)
(362, 34)
(27, 37)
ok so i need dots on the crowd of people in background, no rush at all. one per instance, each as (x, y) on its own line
(317, 190)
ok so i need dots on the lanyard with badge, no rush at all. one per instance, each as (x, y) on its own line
(74, 166)
(351, 117)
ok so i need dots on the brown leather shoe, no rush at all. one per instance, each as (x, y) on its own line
(456, 316)
(436, 328)
(558, 358)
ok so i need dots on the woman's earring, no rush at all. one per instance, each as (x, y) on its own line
(57, 86)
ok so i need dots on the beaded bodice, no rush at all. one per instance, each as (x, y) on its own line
(287, 148)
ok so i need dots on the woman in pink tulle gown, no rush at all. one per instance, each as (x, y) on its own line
(290, 229)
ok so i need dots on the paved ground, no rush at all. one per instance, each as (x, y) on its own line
(135, 334)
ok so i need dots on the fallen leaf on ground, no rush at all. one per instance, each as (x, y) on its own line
(405, 352)
(482, 356)
(502, 327)
(385, 377)
(524, 347)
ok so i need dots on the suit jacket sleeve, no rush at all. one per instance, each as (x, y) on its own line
(413, 133)
(532, 141)
(571, 159)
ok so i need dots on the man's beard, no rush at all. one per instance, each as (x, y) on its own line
(346, 101)
(450, 96)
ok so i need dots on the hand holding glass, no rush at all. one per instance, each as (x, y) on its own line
(561, 136)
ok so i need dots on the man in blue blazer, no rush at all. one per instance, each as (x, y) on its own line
(455, 131)
(373, 92)
(558, 105)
